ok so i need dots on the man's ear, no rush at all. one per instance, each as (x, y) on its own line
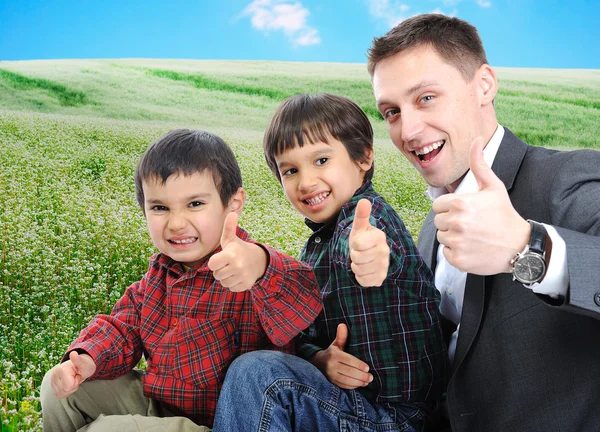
(487, 84)
(367, 163)
(236, 202)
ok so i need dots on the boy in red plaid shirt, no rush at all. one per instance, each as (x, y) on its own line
(210, 295)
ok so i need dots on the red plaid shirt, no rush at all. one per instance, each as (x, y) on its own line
(191, 328)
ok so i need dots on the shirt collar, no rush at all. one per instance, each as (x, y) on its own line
(468, 183)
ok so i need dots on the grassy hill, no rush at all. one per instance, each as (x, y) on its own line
(72, 237)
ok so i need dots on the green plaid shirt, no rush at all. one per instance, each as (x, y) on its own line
(394, 328)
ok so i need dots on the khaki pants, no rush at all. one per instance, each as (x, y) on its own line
(110, 405)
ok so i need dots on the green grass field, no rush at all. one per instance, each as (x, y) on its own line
(71, 235)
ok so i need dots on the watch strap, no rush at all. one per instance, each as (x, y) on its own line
(537, 240)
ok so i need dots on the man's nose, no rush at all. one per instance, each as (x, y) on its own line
(411, 123)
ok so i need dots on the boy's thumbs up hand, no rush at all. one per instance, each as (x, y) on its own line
(68, 376)
(239, 264)
(369, 251)
(481, 231)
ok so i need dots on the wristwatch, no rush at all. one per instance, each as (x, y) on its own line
(529, 265)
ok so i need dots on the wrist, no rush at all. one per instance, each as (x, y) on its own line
(522, 237)
(529, 265)
(262, 261)
(317, 359)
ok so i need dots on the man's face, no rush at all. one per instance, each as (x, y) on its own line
(431, 112)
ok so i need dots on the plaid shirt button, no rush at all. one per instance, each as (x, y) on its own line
(174, 322)
(317, 239)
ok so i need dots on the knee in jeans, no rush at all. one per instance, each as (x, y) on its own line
(255, 364)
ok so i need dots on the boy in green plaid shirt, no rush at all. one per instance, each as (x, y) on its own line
(375, 358)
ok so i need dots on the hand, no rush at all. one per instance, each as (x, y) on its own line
(68, 376)
(239, 264)
(342, 369)
(481, 232)
(369, 251)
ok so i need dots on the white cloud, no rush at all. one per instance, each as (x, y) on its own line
(392, 13)
(484, 3)
(454, 13)
(283, 15)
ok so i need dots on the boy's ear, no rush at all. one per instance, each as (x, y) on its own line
(236, 202)
(368, 162)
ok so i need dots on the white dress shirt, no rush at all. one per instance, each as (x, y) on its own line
(450, 281)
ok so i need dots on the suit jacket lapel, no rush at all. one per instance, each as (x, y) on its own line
(470, 318)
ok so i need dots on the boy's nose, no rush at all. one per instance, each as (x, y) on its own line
(307, 183)
(176, 221)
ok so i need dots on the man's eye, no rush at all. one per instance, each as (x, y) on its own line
(159, 208)
(289, 172)
(196, 204)
(390, 113)
(426, 98)
(322, 161)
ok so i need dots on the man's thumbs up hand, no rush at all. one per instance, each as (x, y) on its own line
(369, 251)
(481, 231)
(239, 264)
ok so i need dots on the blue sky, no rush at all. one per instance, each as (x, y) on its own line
(516, 33)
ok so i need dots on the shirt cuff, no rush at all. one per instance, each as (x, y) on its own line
(556, 281)
(267, 286)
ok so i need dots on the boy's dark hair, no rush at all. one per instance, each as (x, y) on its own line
(316, 118)
(456, 41)
(186, 152)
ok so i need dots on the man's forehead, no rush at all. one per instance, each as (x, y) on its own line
(406, 73)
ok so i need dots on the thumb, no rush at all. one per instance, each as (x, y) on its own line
(483, 173)
(76, 360)
(229, 229)
(79, 365)
(361, 216)
(341, 336)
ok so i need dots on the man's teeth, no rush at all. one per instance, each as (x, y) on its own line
(183, 241)
(429, 149)
(317, 199)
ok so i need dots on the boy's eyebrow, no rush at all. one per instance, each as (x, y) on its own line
(188, 198)
(316, 153)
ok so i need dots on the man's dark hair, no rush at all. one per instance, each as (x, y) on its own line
(187, 152)
(456, 41)
(317, 118)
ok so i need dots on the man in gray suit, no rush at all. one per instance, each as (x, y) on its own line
(515, 248)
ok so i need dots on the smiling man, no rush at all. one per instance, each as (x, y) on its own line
(515, 247)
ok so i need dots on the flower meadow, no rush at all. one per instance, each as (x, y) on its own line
(72, 237)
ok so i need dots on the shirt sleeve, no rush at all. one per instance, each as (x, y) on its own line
(287, 298)
(305, 348)
(113, 341)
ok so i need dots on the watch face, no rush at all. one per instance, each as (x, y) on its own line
(529, 268)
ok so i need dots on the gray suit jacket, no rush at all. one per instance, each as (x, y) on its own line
(523, 363)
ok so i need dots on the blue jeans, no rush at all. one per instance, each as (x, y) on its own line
(271, 391)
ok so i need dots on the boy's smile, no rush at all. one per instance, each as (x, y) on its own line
(185, 216)
(318, 179)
